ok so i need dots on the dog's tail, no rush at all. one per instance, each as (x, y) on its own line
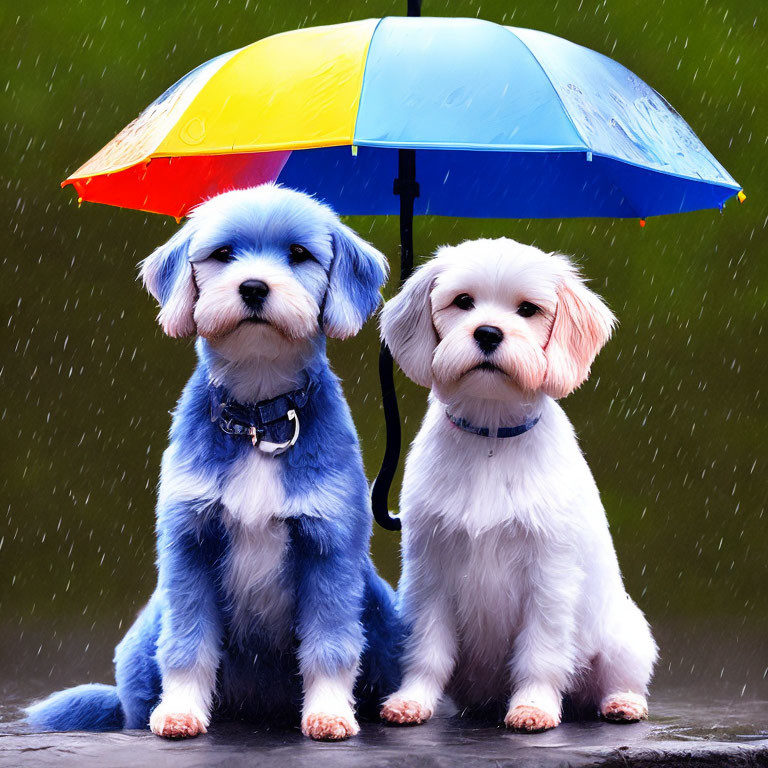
(92, 707)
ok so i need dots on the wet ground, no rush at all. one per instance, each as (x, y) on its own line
(680, 733)
(709, 707)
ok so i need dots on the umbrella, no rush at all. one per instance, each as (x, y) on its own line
(501, 122)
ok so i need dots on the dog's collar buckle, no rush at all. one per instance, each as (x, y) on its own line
(272, 425)
(275, 449)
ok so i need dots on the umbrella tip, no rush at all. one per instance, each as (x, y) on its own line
(741, 196)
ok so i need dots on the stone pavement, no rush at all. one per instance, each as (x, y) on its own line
(680, 733)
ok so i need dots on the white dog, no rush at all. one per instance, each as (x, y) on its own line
(511, 589)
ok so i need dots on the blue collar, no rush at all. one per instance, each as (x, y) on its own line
(486, 431)
(272, 425)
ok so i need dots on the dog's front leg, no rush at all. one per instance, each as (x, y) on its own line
(189, 645)
(431, 647)
(544, 657)
(428, 664)
(329, 605)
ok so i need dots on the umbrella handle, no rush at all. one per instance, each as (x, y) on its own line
(407, 188)
(383, 481)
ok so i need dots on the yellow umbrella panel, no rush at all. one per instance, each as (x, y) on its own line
(295, 90)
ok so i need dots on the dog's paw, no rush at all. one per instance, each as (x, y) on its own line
(530, 719)
(624, 708)
(174, 725)
(322, 727)
(405, 712)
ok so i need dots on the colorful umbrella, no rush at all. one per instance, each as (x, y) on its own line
(502, 122)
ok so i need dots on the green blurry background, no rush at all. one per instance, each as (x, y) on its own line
(673, 421)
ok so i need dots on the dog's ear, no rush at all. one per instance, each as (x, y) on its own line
(357, 273)
(167, 275)
(407, 328)
(582, 325)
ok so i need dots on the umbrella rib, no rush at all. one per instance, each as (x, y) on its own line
(362, 80)
(551, 84)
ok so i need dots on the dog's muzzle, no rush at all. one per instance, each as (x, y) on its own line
(272, 425)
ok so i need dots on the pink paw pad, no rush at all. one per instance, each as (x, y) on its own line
(624, 708)
(530, 719)
(327, 728)
(405, 712)
(180, 727)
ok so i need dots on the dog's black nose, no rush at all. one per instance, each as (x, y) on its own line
(488, 337)
(254, 292)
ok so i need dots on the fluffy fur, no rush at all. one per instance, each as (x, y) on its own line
(267, 603)
(511, 589)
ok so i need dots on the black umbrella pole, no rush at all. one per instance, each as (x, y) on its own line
(406, 187)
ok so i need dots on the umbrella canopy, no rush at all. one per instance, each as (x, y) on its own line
(503, 122)
(500, 122)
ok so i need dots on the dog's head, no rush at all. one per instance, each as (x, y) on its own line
(257, 269)
(494, 318)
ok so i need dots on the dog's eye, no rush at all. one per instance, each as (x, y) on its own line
(464, 301)
(299, 253)
(526, 309)
(223, 254)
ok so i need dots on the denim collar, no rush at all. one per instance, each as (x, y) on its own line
(272, 425)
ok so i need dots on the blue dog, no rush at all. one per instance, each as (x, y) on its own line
(267, 603)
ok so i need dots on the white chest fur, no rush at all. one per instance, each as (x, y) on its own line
(488, 583)
(475, 484)
(253, 504)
